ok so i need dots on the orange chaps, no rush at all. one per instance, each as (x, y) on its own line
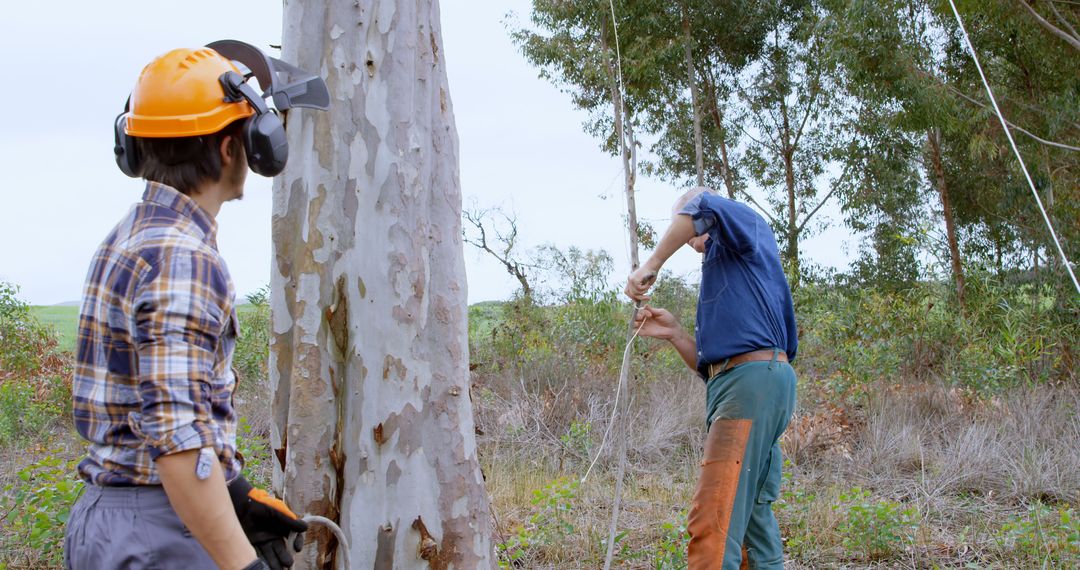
(731, 523)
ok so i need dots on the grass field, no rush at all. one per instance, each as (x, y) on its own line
(63, 319)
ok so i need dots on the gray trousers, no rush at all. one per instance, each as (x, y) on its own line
(129, 527)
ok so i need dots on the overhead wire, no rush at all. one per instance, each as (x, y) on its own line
(624, 369)
(1012, 143)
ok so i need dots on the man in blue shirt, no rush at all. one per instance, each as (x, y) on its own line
(744, 340)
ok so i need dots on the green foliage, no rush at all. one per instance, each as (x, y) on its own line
(670, 552)
(1050, 535)
(253, 346)
(23, 416)
(578, 438)
(549, 523)
(878, 529)
(1010, 336)
(22, 338)
(37, 507)
(793, 511)
(255, 448)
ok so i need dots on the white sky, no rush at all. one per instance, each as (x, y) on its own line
(70, 65)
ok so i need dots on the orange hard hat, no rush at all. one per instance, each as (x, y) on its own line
(179, 95)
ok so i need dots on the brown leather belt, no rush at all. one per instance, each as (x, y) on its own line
(765, 354)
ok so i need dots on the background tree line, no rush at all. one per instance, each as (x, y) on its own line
(875, 106)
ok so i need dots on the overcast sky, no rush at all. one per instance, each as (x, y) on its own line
(70, 65)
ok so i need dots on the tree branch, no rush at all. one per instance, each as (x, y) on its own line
(1016, 127)
(823, 200)
(1063, 20)
(1074, 42)
(764, 212)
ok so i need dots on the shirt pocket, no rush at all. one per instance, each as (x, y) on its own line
(714, 279)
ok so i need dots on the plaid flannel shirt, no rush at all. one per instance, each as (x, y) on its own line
(157, 332)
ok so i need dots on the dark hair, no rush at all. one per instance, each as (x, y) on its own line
(186, 162)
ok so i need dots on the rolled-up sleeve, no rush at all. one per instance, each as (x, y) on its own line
(728, 223)
(180, 312)
(704, 218)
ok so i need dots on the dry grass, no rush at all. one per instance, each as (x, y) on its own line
(964, 466)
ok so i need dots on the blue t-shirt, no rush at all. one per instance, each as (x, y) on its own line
(745, 302)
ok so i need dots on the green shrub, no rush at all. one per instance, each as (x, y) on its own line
(23, 339)
(877, 530)
(1050, 535)
(37, 507)
(548, 525)
(1008, 336)
(255, 448)
(671, 550)
(578, 439)
(22, 416)
(252, 355)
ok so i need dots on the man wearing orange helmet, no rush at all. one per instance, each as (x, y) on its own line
(153, 382)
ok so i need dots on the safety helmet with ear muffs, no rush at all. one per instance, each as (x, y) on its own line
(194, 92)
(177, 95)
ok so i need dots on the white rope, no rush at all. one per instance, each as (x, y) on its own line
(334, 528)
(618, 55)
(1008, 134)
(623, 373)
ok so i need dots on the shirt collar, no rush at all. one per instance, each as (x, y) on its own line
(169, 197)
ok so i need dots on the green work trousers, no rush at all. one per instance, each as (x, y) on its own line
(748, 407)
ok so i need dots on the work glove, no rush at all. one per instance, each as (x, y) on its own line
(267, 522)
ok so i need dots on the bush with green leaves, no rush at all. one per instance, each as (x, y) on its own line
(255, 449)
(1044, 533)
(548, 525)
(23, 416)
(37, 506)
(670, 552)
(1007, 336)
(23, 339)
(876, 530)
(578, 439)
(253, 346)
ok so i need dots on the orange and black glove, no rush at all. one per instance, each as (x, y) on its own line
(267, 522)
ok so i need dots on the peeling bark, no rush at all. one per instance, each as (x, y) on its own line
(368, 274)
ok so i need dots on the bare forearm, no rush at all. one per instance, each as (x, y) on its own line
(678, 233)
(205, 509)
(686, 346)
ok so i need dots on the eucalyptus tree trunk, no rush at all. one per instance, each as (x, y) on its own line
(688, 53)
(372, 423)
(627, 145)
(933, 138)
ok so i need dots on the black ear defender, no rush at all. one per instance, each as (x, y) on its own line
(125, 149)
(263, 133)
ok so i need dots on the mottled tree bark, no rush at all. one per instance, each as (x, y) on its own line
(373, 426)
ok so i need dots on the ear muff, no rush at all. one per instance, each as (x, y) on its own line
(125, 149)
(265, 144)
